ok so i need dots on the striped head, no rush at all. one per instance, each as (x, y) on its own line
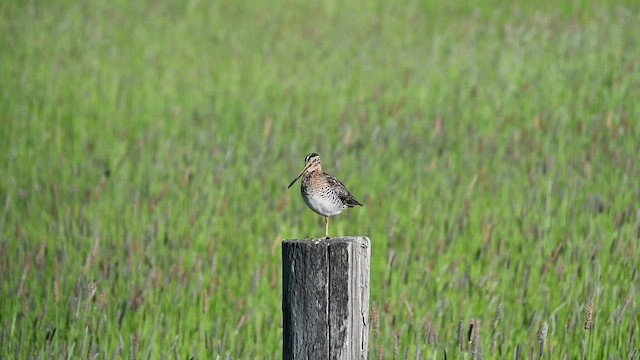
(312, 163)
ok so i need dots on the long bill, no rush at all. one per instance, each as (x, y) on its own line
(298, 177)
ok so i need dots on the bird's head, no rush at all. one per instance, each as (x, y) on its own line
(312, 163)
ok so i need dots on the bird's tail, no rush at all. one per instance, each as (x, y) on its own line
(351, 202)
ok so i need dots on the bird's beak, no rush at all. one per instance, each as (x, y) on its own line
(298, 177)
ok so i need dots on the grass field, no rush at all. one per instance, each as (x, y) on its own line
(146, 147)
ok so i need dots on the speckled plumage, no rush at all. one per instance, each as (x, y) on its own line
(323, 193)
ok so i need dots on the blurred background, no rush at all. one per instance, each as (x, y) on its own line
(146, 149)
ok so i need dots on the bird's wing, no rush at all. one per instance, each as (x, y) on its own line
(342, 191)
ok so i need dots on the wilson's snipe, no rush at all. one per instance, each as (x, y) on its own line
(322, 192)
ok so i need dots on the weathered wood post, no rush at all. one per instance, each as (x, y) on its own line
(325, 298)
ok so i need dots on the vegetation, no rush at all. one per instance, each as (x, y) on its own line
(146, 148)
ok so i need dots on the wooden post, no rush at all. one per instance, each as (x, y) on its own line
(325, 298)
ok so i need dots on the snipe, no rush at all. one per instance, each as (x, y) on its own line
(322, 192)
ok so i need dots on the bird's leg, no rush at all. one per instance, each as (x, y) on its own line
(326, 226)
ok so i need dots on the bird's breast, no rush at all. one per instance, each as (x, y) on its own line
(319, 195)
(323, 203)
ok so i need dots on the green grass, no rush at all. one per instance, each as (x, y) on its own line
(146, 148)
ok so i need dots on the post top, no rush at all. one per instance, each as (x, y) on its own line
(363, 240)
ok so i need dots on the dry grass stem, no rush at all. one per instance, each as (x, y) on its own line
(588, 314)
(542, 337)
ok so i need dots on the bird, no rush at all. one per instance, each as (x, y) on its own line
(323, 193)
